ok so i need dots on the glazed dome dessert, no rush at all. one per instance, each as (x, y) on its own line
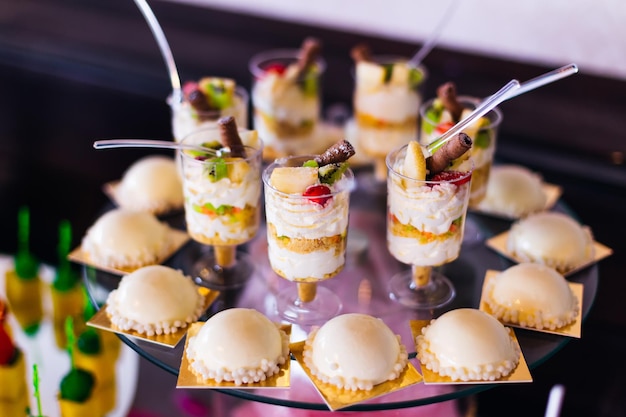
(123, 238)
(151, 184)
(154, 300)
(552, 239)
(467, 345)
(238, 345)
(532, 295)
(513, 191)
(354, 352)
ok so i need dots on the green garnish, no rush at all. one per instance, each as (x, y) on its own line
(218, 95)
(415, 77)
(89, 342)
(37, 392)
(311, 163)
(432, 116)
(26, 266)
(65, 278)
(388, 71)
(77, 385)
(483, 139)
(215, 169)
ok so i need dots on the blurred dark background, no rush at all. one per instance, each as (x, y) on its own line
(72, 71)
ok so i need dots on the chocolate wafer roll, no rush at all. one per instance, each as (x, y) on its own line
(451, 150)
(361, 52)
(337, 153)
(309, 51)
(447, 94)
(230, 137)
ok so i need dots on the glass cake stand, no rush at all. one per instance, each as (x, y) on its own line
(363, 289)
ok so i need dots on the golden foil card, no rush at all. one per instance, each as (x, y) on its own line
(102, 321)
(188, 379)
(521, 373)
(498, 244)
(337, 398)
(573, 329)
(177, 237)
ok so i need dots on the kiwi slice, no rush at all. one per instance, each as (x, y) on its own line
(330, 173)
(216, 169)
(77, 385)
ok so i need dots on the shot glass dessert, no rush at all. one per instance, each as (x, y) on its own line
(386, 104)
(286, 96)
(204, 102)
(306, 205)
(441, 113)
(222, 189)
(427, 202)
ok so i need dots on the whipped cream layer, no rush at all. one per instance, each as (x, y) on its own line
(355, 352)
(200, 191)
(151, 184)
(532, 295)
(126, 238)
(381, 141)
(428, 210)
(388, 103)
(185, 119)
(154, 299)
(238, 345)
(551, 238)
(318, 264)
(467, 344)
(282, 99)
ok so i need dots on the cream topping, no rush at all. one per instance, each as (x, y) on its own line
(155, 299)
(282, 99)
(151, 184)
(355, 352)
(532, 295)
(126, 238)
(551, 238)
(467, 344)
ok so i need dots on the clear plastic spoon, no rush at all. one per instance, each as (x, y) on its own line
(555, 401)
(483, 108)
(547, 78)
(430, 43)
(164, 46)
(149, 143)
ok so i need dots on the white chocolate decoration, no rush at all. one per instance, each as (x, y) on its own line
(467, 345)
(354, 352)
(532, 295)
(513, 191)
(155, 299)
(151, 184)
(123, 238)
(552, 239)
(238, 345)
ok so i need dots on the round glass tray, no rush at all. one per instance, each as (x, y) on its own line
(362, 288)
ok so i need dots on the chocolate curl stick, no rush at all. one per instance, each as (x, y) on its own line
(337, 153)
(450, 151)
(309, 52)
(361, 53)
(230, 136)
(447, 94)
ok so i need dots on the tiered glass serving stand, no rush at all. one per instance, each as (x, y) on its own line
(362, 286)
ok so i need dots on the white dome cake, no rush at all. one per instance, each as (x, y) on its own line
(514, 191)
(552, 239)
(532, 295)
(124, 238)
(354, 352)
(151, 184)
(467, 345)
(153, 300)
(238, 345)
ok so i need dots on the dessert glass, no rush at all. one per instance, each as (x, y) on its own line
(186, 119)
(307, 244)
(222, 213)
(425, 223)
(386, 114)
(286, 110)
(484, 141)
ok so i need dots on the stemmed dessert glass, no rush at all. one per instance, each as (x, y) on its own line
(425, 223)
(307, 236)
(222, 205)
(386, 105)
(484, 133)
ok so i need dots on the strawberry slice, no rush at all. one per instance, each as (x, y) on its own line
(276, 67)
(455, 177)
(318, 194)
(443, 127)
